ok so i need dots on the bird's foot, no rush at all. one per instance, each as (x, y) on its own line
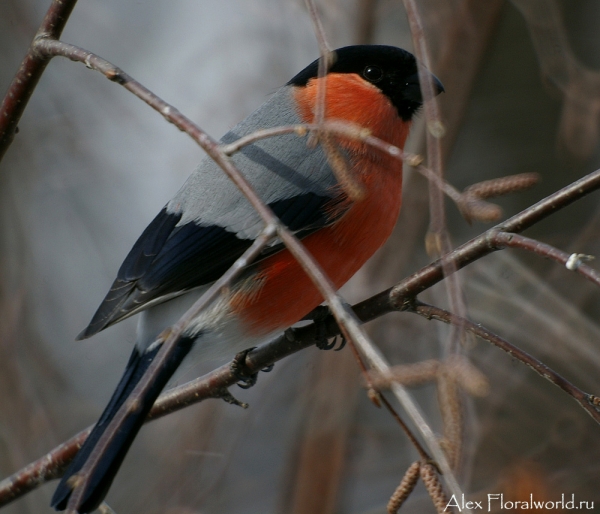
(319, 316)
(240, 370)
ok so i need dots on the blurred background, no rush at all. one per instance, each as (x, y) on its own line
(92, 165)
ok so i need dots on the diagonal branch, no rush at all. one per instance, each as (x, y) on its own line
(393, 298)
(468, 203)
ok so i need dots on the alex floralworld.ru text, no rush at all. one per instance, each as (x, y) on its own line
(497, 502)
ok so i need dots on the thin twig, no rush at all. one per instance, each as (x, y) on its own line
(548, 251)
(422, 453)
(29, 73)
(340, 167)
(324, 62)
(435, 128)
(438, 239)
(589, 402)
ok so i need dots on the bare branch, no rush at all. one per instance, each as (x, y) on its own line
(49, 467)
(29, 73)
(550, 252)
(589, 402)
(422, 453)
(325, 62)
(435, 127)
(437, 240)
(471, 207)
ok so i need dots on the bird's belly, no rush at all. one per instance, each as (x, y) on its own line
(287, 294)
(219, 334)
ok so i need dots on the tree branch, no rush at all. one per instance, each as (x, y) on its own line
(23, 85)
(550, 252)
(393, 298)
(589, 402)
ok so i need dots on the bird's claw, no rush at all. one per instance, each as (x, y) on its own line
(342, 343)
(248, 382)
(240, 370)
(318, 316)
(324, 344)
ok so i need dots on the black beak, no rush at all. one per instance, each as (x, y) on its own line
(437, 85)
(412, 91)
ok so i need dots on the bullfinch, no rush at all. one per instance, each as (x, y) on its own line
(198, 235)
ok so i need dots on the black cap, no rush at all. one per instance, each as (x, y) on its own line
(391, 69)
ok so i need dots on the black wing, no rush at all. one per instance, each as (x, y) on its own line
(168, 259)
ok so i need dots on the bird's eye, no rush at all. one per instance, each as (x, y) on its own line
(373, 73)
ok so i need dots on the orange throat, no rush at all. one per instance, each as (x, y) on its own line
(285, 293)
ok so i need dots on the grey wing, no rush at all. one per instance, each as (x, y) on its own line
(279, 168)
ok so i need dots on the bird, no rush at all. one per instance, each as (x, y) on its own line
(208, 224)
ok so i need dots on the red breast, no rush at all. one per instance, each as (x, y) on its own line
(286, 293)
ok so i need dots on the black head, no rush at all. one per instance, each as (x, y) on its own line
(391, 69)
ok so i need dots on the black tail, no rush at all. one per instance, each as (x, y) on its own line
(109, 464)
